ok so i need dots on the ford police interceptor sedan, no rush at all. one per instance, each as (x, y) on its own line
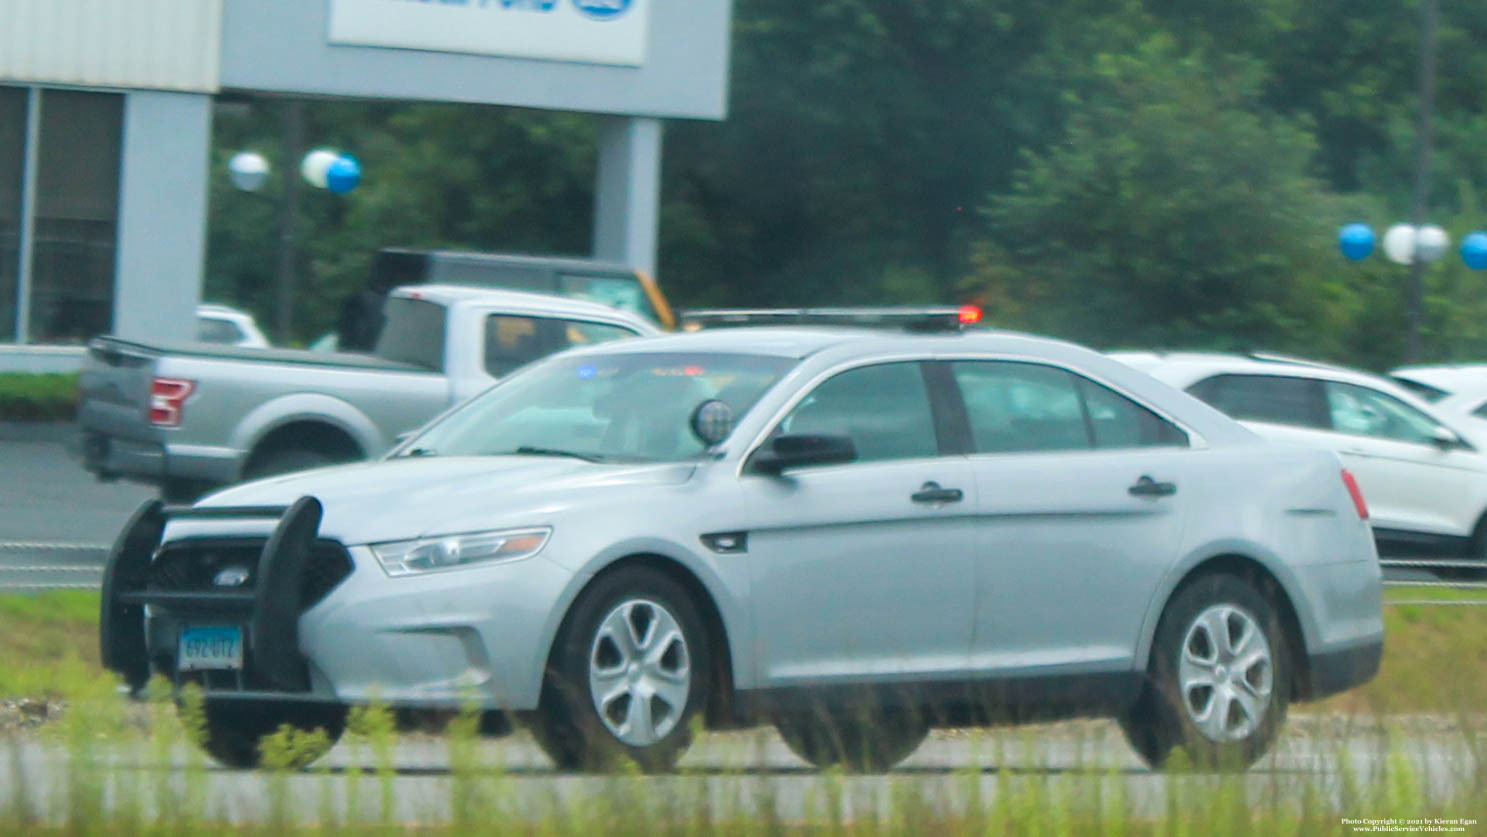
(853, 535)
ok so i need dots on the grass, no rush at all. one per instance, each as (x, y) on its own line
(37, 397)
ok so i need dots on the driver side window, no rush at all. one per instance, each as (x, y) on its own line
(884, 409)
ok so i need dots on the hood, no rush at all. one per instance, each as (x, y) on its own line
(411, 497)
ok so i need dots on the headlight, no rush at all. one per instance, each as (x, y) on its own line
(451, 552)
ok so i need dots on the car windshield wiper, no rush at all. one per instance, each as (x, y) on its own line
(532, 450)
(419, 452)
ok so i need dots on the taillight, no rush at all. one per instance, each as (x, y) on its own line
(167, 397)
(1356, 493)
(968, 315)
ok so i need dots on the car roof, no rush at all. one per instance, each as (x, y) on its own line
(450, 295)
(803, 341)
(1203, 364)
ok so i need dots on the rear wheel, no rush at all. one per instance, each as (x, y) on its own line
(285, 461)
(864, 741)
(234, 729)
(627, 674)
(1219, 678)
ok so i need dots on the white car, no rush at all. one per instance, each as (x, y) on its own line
(221, 324)
(1433, 382)
(1423, 472)
(852, 535)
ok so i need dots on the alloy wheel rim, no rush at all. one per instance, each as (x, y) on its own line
(1226, 673)
(640, 672)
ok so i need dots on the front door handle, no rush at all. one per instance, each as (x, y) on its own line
(1148, 487)
(931, 492)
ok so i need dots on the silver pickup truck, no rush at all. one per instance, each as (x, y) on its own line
(192, 416)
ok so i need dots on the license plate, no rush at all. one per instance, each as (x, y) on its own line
(210, 647)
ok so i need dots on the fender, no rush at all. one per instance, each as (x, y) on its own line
(736, 621)
(303, 406)
(1214, 549)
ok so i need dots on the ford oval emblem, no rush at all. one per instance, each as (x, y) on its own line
(231, 577)
(603, 9)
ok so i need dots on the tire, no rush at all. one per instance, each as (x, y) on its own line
(633, 639)
(185, 491)
(285, 461)
(235, 727)
(866, 741)
(1220, 629)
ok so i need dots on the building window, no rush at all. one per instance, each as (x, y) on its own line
(12, 167)
(66, 293)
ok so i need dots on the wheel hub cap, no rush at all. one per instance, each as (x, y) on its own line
(640, 672)
(1226, 673)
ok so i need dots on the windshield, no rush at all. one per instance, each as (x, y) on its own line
(618, 407)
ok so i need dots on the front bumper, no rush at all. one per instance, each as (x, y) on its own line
(441, 640)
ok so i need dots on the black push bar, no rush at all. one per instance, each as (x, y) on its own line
(271, 611)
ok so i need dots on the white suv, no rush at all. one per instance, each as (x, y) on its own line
(1424, 474)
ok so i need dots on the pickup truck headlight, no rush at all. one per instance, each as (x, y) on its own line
(452, 552)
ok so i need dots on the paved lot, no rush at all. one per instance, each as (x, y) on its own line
(56, 520)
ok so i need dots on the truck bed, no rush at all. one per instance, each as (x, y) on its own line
(103, 347)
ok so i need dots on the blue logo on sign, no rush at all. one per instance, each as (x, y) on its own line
(603, 9)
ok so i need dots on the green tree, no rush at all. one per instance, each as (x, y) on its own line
(1174, 212)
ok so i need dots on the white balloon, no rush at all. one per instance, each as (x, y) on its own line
(1399, 243)
(1431, 243)
(316, 164)
(248, 170)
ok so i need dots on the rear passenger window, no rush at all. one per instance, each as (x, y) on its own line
(1019, 407)
(884, 409)
(1277, 399)
(1118, 422)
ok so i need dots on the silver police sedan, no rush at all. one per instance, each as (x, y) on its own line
(856, 536)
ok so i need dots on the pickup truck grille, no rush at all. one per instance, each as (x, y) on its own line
(231, 565)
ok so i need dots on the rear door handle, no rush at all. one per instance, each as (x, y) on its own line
(1148, 487)
(931, 492)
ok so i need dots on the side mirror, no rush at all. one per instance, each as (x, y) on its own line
(785, 452)
(1445, 438)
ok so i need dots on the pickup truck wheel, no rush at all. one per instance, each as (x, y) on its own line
(177, 490)
(1218, 679)
(865, 741)
(284, 461)
(628, 673)
(234, 728)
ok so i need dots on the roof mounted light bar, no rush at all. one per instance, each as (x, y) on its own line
(906, 318)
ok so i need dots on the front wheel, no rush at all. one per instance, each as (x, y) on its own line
(1219, 679)
(234, 729)
(626, 676)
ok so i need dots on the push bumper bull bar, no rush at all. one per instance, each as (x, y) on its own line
(270, 611)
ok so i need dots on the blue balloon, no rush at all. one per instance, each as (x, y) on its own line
(1355, 241)
(1474, 250)
(343, 174)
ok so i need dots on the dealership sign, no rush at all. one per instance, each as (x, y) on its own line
(589, 31)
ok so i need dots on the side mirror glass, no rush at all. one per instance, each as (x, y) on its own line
(795, 451)
(712, 421)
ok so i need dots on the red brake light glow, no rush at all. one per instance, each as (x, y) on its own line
(167, 399)
(1356, 493)
(969, 315)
